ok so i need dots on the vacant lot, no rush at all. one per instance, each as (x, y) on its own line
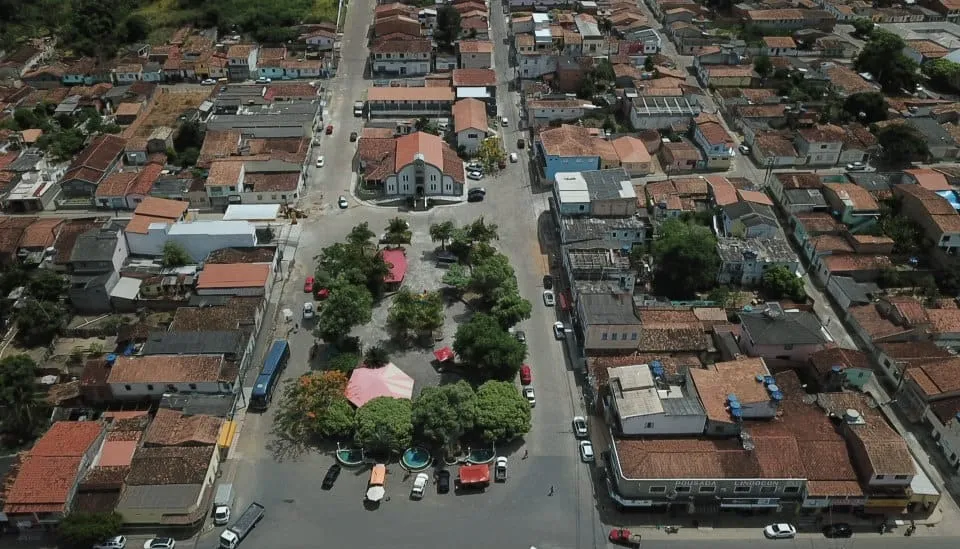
(167, 106)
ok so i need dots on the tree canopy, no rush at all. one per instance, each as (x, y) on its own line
(444, 414)
(491, 154)
(902, 144)
(780, 282)
(315, 405)
(384, 425)
(348, 306)
(22, 410)
(866, 107)
(503, 414)
(38, 322)
(883, 57)
(79, 530)
(943, 73)
(448, 26)
(442, 232)
(415, 314)
(483, 343)
(174, 255)
(763, 66)
(685, 259)
(863, 27)
(47, 285)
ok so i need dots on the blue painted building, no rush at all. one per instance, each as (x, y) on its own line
(573, 149)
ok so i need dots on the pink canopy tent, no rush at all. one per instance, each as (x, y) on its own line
(369, 383)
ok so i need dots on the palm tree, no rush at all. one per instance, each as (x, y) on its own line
(361, 235)
(376, 357)
(442, 232)
(398, 231)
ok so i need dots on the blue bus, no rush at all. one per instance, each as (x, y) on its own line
(270, 374)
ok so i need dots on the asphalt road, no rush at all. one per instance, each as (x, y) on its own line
(519, 513)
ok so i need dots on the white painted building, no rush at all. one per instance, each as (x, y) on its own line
(650, 404)
(199, 238)
(141, 377)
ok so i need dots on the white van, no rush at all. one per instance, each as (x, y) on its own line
(504, 122)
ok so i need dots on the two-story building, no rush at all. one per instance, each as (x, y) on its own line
(94, 268)
(475, 54)
(712, 137)
(433, 101)
(773, 333)
(417, 165)
(573, 149)
(541, 112)
(935, 215)
(855, 205)
(470, 124)
(820, 145)
(91, 166)
(746, 219)
(410, 57)
(645, 401)
(599, 193)
(242, 61)
(743, 261)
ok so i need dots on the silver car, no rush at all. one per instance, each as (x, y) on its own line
(548, 298)
(580, 426)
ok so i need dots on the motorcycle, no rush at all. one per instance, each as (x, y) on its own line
(671, 529)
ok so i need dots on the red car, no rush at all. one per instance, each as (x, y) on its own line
(323, 293)
(622, 536)
(308, 285)
(329, 129)
(526, 375)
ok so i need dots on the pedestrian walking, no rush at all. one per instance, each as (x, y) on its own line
(526, 453)
(551, 490)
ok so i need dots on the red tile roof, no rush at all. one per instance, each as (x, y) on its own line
(163, 369)
(68, 439)
(723, 191)
(472, 78)
(237, 275)
(470, 114)
(115, 185)
(736, 377)
(173, 428)
(42, 485)
(42, 233)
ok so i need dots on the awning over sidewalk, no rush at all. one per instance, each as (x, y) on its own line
(443, 355)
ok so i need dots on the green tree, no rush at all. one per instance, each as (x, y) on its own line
(490, 274)
(862, 27)
(491, 154)
(361, 236)
(721, 295)
(442, 232)
(39, 322)
(355, 262)
(338, 420)
(883, 57)
(306, 402)
(510, 308)
(763, 66)
(780, 282)
(685, 260)
(384, 425)
(502, 412)
(92, 29)
(648, 64)
(415, 314)
(457, 277)
(22, 411)
(79, 530)
(344, 362)
(174, 255)
(484, 344)
(866, 107)
(902, 144)
(448, 26)
(444, 414)
(47, 285)
(135, 28)
(398, 231)
(376, 357)
(603, 72)
(943, 73)
(348, 306)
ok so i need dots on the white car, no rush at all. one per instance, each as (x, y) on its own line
(586, 451)
(780, 531)
(263, 80)
(744, 149)
(580, 426)
(159, 543)
(308, 311)
(475, 166)
(116, 542)
(342, 203)
(476, 176)
(548, 298)
(856, 167)
(320, 162)
(419, 486)
(530, 396)
(221, 515)
(513, 157)
(208, 82)
(559, 330)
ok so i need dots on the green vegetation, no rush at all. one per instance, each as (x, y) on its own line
(384, 425)
(780, 282)
(902, 144)
(174, 255)
(23, 412)
(863, 27)
(484, 344)
(63, 135)
(883, 57)
(314, 405)
(81, 530)
(943, 73)
(502, 412)
(444, 414)
(685, 260)
(415, 314)
(448, 26)
(907, 236)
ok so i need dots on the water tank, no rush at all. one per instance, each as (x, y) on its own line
(852, 416)
(111, 359)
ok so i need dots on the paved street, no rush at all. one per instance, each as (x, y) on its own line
(298, 512)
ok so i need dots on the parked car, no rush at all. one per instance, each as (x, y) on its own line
(353, 136)
(159, 543)
(622, 536)
(526, 375)
(263, 80)
(780, 530)
(586, 451)
(548, 298)
(530, 395)
(520, 143)
(208, 81)
(580, 426)
(308, 284)
(521, 336)
(514, 157)
(221, 515)
(476, 176)
(320, 161)
(329, 130)
(547, 282)
(419, 485)
(443, 481)
(744, 149)
(838, 530)
(342, 203)
(308, 310)
(116, 542)
(559, 330)
(856, 167)
(331, 477)
(475, 166)
(504, 121)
